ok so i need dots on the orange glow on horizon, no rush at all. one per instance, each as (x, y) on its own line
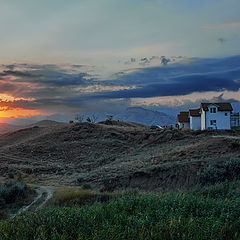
(19, 112)
(16, 112)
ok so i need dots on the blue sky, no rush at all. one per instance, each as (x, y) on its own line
(94, 31)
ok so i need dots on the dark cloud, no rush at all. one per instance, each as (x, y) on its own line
(62, 89)
(18, 74)
(178, 86)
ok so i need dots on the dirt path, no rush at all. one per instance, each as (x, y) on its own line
(44, 194)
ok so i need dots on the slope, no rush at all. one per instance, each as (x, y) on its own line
(114, 156)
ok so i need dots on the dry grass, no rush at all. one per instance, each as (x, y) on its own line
(69, 196)
(123, 155)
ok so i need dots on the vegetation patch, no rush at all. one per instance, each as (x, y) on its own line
(201, 214)
(229, 171)
(74, 196)
(12, 195)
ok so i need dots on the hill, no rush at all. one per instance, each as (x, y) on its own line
(5, 127)
(116, 156)
(44, 123)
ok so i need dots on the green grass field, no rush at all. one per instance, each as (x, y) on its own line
(206, 213)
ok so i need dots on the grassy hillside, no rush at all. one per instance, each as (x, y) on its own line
(206, 213)
(114, 155)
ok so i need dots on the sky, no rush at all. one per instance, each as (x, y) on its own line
(65, 56)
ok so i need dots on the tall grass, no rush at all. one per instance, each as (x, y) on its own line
(77, 197)
(200, 215)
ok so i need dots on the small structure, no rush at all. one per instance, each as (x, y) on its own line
(209, 116)
(183, 120)
(195, 119)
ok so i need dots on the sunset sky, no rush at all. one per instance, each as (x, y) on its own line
(63, 57)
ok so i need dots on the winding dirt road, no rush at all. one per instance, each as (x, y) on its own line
(44, 194)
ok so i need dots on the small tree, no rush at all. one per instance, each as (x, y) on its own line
(79, 117)
(89, 119)
(109, 117)
(92, 119)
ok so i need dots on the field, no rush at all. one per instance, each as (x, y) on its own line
(121, 180)
(206, 213)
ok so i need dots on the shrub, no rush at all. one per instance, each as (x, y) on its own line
(86, 186)
(211, 175)
(11, 190)
(229, 171)
(11, 175)
(232, 168)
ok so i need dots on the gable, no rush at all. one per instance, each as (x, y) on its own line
(222, 107)
(183, 117)
(195, 112)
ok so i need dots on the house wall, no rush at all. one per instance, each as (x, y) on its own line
(184, 125)
(195, 123)
(223, 122)
(203, 121)
(235, 119)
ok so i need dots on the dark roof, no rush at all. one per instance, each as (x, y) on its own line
(195, 112)
(183, 117)
(223, 106)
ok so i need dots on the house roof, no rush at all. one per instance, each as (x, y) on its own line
(195, 112)
(223, 106)
(183, 117)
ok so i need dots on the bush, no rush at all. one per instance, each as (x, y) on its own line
(11, 190)
(86, 186)
(211, 175)
(229, 171)
(232, 168)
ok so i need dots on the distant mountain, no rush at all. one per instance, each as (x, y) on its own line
(45, 123)
(145, 116)
(5, 127)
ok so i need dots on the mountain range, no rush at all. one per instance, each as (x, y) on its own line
(131, 114)
(145, 116)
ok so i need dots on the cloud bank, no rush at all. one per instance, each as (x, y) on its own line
(52, 89)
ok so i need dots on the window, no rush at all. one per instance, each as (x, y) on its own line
(226, 114)
(213, 122)
(213, 110)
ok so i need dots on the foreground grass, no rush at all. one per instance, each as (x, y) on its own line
(210, 213)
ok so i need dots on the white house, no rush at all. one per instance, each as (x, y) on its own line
(216, 115)
(208, 116)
